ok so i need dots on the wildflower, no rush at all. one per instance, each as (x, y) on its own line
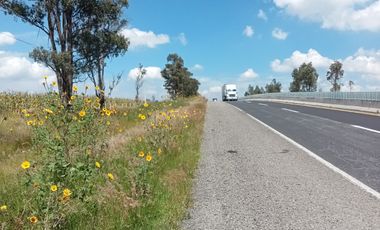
(40, 122)
(142, 117)
(72, 97)
(27, 115)
(141, 154)
(108, 113)
(53, 188)
(54, 83)
(146, 105)
(66, 193)
(48, 111)
(29, 123)
(82, 113)
(33, 219)
(75, 88)
(97, 164)
(110, 176)
(139, 139)
(97, 88)
(23, 111)
(108, 123)
(148, 157)
(3, 208)
(88, 100)
(25, 165)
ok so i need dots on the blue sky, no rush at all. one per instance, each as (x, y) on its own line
(243, 42)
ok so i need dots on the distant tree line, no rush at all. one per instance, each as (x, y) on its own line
(304, 79)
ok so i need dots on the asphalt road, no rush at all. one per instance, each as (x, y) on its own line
(347, 140)
(251, 178)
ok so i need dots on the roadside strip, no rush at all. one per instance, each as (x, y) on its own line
(348, 177)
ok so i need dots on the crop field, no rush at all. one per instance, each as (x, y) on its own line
(128, 165)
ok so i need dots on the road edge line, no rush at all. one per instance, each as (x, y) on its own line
(345, 175)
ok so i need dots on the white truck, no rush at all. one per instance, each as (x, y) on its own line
(229, 92)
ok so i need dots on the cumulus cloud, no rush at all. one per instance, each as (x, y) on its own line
(248, 74)
(297, 58)
(279, 34)
(197, 67)
(7, 38)
(182, 39)
(248, 31)
(152, 72)
(139, 38)
(355, 15)
(19, 73)
(363, 67)
(262, 15)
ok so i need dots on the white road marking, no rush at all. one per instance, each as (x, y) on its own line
(368, 129)
(348, 177)
(290, 110)
(263, 104)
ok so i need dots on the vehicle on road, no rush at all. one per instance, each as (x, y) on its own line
(229, 92)
(215, 99)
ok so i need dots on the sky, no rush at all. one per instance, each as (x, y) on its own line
(238, 42)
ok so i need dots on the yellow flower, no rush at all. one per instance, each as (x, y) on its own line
(108, 113)
(25, 165)
(141, 154)
(3, 208)
(148, 157)
(23, 111)
(75, 88)
(48, 111)
(27, 115)
(54, 83)
(110, 176)
(142, 117)
(108, 123)
(53, 188)
(66, 192)
(159, 151)
(97, 88)
(139, 139)
(146, 104)
(82, 113)
(29, 123)
(72, 97)
(33, 219)
(97, 164)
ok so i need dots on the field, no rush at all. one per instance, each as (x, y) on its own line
(128, 165)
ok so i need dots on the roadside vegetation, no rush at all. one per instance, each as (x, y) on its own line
(128, 165)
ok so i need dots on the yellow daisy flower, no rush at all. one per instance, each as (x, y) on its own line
(53, 188)
(82, 113)
(33, 219)
(97, 164)
(66, 192)
(148, 157)
(3, 208)
(110, 176)
(25, 165)
(141, 154)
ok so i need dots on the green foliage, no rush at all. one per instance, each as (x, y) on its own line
(273, 87)
(304, 79)
(253, 91)
(334, 75)
(178, 81)
(82, 34)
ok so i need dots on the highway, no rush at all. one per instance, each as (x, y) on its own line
(349, 141)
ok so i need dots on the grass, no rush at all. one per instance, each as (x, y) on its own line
(144, 194)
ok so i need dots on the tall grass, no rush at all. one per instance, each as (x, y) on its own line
(146, 155)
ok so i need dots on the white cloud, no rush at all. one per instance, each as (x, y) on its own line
(355, 15)
(248, 74)
(279, 34)
(248, 31)
(182, 39)
(197, 67)
(363, 67)
(148, 39)
(297, 58)
(262, 15)
(18, 73)
(7, 38)
(215, 89)
(152, 72)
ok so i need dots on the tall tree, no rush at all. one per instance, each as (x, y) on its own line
(257, 90)
(178, 81)
(351, 84)
(68, 24)
(273, 87)
(304, 79)
(334, 75)
(139, 80)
